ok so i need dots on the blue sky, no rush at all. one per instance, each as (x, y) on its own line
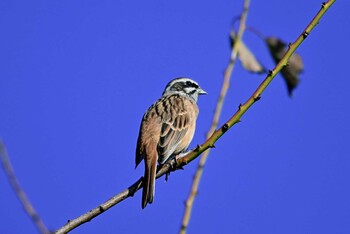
(77, 76)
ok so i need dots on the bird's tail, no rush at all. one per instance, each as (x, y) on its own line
(149, 180)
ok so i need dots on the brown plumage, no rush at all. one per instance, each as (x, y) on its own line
(167, 129)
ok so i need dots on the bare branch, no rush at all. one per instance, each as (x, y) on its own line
(22, 197)
(224, 88)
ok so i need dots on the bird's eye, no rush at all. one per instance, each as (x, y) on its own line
(188, 83)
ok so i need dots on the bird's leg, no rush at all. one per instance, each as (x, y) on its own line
(173, 163)
(180, 155)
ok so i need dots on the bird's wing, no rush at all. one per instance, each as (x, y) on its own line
(176, 121)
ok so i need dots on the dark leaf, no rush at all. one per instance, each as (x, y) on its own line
(294, 67)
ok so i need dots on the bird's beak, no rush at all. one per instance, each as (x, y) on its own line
(201, 91)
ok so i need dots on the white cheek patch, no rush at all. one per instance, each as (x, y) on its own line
(190, 90)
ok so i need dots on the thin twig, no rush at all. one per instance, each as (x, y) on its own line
(180, 162)
(22, 197)
(224, 88)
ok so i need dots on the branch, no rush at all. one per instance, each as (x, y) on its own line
(22, 197)
(178, 163)
(209, 143)
(225, 85)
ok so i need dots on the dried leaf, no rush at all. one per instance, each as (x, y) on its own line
(247, 58)
(294, 67)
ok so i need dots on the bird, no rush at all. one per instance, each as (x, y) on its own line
(167, 129)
